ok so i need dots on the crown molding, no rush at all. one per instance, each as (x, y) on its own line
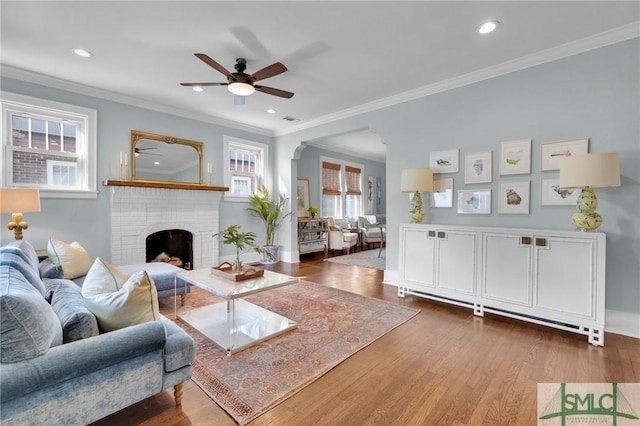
(346, 151)
(69, 86)
(586, 44)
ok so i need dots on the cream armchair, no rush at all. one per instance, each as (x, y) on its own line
(372, 228)
(340, 239)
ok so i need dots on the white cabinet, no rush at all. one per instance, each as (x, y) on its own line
(429, 257)
(554, 278)
(506, 273)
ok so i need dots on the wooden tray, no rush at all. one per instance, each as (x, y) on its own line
(225, 270)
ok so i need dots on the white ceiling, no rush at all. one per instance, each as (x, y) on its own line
(343, 57)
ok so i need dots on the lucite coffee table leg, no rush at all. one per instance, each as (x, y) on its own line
(232, 325)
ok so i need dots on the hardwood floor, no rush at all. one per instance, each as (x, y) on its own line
(443, 367)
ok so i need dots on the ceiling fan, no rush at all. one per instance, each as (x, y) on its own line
(139, 151)
(242, 84)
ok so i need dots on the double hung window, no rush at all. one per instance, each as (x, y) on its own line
(245, 168)
(49, 146)
(341, 189)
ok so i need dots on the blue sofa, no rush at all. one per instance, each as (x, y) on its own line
(56, 368)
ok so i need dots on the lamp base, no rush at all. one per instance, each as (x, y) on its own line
(586, 222)
(17, 225)
(416, 215)
(587, 219)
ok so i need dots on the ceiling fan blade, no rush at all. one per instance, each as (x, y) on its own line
(203, 84)
(275, 92)
(251, 42)
(213, 64)
(269, 71)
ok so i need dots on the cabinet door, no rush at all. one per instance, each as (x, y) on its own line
(506, 268)
(418, 257)
(456, 261)
(565, 275)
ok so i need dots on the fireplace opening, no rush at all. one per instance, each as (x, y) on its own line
(174, 246)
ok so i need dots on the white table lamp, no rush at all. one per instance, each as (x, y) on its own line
(589, 171)
(17, 201)
(416, 181)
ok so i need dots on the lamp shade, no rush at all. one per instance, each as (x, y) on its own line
(22, 200)
(413, 180)
(597, 170)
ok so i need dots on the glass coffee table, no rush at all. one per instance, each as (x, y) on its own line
(235, 324)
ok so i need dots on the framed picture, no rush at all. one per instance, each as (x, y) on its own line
(552, 152)
(552, 195)
(302, 197)
(477, 167)
(474, 201)
(444, 161)
(442, 195)
(515, 157)
(514, 197)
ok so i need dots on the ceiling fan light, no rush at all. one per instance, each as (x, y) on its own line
(84, 53)
(241, 89)
(198, 89)
(488, 27)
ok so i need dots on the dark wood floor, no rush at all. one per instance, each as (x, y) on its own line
(443, 367)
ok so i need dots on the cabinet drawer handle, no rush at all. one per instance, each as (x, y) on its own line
(440, 234)
(525, 241)
(431, 233)
(541, 242)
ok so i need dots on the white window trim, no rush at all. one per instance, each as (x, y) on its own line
(229, 142)
(343, 164)
(11, 101)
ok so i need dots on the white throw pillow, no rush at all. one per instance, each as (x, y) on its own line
(73, 258)
(119, 300)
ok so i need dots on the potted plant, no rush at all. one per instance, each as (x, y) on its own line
(232, 235)
(313, 211)
(272, 213)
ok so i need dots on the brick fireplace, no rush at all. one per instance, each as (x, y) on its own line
(137, 212)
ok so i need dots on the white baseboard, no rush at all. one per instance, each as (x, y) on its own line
(289, 256)
(391, 277)
(625, 323)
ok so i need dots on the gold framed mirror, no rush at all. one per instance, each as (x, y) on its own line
(163, 158)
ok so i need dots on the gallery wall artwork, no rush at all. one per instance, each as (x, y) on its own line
(515, 157)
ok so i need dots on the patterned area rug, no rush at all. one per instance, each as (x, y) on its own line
(332, 325)
(365, 258)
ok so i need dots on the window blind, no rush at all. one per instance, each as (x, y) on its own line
(330, 178)
(352, 176)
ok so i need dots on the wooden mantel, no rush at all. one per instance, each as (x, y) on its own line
(165, 185)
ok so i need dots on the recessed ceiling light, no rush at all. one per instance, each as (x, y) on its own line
(83, 53)
(198, 89)
(271, 111)
(156, 163)
(487, 27)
